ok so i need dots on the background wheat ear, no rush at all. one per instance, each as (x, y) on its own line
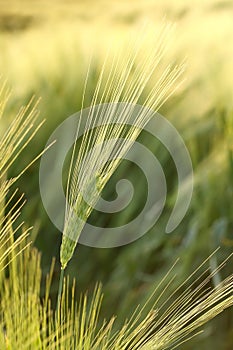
(126, 77)
(14, 139)
(26, 322)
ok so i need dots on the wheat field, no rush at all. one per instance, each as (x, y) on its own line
(45, 51)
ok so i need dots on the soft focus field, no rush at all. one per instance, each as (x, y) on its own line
(45, 50)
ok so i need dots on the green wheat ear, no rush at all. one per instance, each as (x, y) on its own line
(82, 210)
(131, 75)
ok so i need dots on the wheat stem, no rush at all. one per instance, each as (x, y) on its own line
(60, 289)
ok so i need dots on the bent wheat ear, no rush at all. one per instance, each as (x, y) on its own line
(131, 77)
(180, 317)
(12, 142)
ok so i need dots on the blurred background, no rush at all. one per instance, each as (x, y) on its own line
(45, 50)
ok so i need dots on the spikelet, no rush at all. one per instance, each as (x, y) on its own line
(128, 80)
